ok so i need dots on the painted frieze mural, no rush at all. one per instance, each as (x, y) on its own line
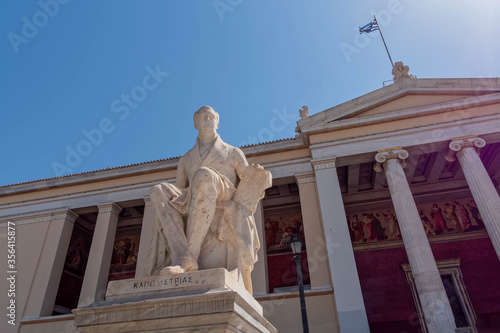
(78, 253)
(281, 269)
(438, 218)
(280, 228)
(125, 252)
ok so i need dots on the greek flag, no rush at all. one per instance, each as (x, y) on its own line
(372, 26)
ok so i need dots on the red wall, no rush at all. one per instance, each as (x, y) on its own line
(282, 271)
(387, 295)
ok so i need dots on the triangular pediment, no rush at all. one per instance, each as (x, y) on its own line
(412, 96)
(403, 103)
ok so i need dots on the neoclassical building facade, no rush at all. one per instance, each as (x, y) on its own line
(394, 194)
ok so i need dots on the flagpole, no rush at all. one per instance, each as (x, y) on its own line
(380, 30)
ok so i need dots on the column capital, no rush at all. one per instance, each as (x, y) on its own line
(324, 164)
(383, 156)
(304, 178)
(109, 207)
(458, 144)
(65, 214)
(147, 201)
(40, 216)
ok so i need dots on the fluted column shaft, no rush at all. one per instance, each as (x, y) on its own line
(483, 191)
(436, 307)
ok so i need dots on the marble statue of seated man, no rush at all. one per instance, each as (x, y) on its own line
(206, 219)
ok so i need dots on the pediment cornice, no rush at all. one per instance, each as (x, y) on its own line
(342, 114)
(402, 114)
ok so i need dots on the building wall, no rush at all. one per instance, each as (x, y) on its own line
(387, 294)
(320, 315)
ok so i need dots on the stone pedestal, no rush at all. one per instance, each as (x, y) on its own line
(213, 300)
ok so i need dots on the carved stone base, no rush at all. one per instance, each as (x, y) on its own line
(212, 300)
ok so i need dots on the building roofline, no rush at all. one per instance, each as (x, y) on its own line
(135, 169)
(410, 86)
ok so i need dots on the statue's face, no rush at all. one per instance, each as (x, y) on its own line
(206, 119)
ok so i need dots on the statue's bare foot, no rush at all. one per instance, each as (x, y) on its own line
(169, 270)
(188, 264)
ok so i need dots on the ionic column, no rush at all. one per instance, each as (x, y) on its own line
(146, 234)
(101, 250)
(480, 185)
(316, 246)
(437, 311)
(347, 289)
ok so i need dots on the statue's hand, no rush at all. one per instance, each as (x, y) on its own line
(258, 166)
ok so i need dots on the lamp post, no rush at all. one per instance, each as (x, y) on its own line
(296, 245)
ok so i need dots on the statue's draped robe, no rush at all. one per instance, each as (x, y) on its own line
(232, 240)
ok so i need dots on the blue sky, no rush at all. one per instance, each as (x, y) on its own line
(117, 82)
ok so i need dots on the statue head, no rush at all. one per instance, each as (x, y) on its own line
(206, 117)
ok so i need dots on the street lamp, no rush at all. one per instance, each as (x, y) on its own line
(296, 245)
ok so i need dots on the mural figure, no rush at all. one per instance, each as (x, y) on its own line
(437, 217)
(357, 230)
(121, 251)
(286, 235)
(426, 222)
(299, 229)
(77, 253)
(76, 257)
(378, 226)
(391, 226)
(462, 215)
(478, 221)
(271, 229)
(451, 219)
(370, 232)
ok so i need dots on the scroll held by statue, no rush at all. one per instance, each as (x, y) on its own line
(252, 185)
